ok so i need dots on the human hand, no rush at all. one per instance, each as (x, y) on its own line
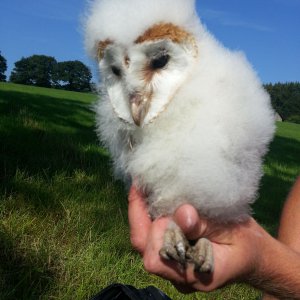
(235, 247)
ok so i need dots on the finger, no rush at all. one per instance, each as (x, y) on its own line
(188, 219)
(139, 220)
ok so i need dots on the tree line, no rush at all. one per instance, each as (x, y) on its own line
(45, 71)
(285, 99)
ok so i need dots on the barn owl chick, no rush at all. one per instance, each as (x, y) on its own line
(183, 116)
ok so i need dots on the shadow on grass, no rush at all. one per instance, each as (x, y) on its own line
(283, 164)
(46, 109)
(45, 136)
(42, 139)
(17, 270)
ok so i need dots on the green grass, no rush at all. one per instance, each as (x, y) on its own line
(63, 219)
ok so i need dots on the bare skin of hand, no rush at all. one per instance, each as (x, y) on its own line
(242, 252)
(228, 242)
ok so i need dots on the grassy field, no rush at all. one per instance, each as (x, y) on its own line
(63, 219)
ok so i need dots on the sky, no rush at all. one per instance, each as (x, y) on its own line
(267, 31)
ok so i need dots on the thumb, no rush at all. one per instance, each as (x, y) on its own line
(139, 220)
(188, 219)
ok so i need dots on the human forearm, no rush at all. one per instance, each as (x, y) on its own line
(277, 272)
(290, 223)
(289, 228)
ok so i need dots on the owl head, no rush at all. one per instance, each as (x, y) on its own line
(145, 51)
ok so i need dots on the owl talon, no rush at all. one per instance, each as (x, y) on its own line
(201, 255)
(175, 245)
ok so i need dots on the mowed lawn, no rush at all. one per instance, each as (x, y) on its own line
(63, 219)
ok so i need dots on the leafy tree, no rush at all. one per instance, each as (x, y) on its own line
(286, 100)
(3, 68)
(34, 70)
(73, 75)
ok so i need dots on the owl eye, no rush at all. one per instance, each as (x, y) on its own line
(160, 62)
(116, 71)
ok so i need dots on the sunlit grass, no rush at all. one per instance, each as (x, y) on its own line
(63, 219)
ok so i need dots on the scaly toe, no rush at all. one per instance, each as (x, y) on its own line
(201, 255)
(175, 244)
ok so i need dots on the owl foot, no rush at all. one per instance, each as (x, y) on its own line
(177, 247)
(201, 255)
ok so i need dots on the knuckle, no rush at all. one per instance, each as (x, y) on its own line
(150, 264)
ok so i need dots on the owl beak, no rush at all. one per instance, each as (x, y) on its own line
(139, 106)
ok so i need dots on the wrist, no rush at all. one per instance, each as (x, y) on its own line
(276, 269)
(257, 247)
(268, 248)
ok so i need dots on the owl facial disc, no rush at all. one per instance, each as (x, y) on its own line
(142, 78)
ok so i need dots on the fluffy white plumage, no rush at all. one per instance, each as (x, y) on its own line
(208, 122)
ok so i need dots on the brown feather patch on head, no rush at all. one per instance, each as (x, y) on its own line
(102, 46)
(169, 31)
(164, 31)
